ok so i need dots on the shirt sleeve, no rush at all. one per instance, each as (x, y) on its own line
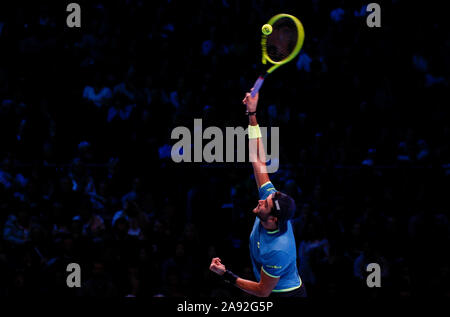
(275, 263)
(266, 189)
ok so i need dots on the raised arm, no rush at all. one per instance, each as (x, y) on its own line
(256, 148)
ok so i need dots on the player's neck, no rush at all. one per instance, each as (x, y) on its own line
(269, 226)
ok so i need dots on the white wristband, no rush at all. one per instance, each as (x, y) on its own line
(254, 132)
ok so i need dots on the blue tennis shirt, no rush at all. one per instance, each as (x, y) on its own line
(274, 252)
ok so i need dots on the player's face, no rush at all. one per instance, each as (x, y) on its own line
(263, 208)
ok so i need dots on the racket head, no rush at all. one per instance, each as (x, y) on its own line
(285, 41)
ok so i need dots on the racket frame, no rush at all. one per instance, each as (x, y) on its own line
(265, 56)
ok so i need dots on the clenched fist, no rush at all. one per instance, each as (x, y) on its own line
(217, 267)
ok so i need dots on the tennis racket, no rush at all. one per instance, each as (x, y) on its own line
(280, 46)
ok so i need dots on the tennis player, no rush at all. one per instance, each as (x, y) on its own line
(272, 243)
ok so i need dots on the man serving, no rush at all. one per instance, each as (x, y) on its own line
(272, 243)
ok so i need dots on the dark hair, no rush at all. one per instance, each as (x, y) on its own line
(283, 208)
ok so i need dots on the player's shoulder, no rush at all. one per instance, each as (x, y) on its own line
(282, 242)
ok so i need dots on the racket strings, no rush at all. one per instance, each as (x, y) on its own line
(281, 42)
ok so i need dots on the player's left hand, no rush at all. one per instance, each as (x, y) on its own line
(251, 102)
(217, 266)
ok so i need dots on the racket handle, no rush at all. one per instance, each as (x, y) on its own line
(257, 86)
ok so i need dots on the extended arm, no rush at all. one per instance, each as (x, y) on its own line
(256, 147)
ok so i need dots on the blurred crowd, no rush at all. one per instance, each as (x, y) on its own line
(86, 116)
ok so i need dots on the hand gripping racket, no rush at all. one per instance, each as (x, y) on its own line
(280, 46)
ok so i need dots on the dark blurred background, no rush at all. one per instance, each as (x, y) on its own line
(85, 121)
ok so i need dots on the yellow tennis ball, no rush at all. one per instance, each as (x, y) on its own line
(266, 29)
